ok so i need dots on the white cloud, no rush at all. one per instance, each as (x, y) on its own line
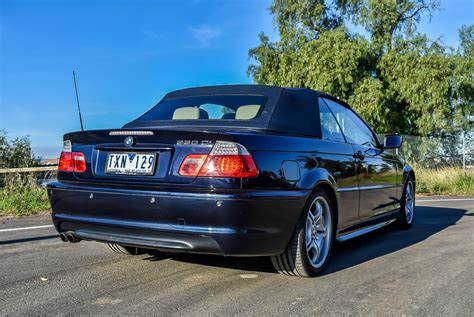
(204, 34)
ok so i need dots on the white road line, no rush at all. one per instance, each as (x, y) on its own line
(26, 228)
(443, 200)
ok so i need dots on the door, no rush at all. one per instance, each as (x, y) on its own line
(338, 159)
(376, 170)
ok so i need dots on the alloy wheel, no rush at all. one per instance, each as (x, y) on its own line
(409, 202)
(318, 231)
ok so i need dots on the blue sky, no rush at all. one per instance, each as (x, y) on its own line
(127, 54)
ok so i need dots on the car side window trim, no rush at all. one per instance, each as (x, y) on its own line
(323, 103)
(374, 135)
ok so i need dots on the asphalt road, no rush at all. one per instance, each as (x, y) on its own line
(427, 270)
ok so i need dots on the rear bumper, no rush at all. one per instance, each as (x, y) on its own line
(244, 223)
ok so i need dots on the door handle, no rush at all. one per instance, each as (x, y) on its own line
(359, 155)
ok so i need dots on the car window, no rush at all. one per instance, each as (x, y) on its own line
(226, 107)
(330, 129)
(354, 129)
(216, 111)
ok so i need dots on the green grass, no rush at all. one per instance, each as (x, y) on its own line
(445, 181)
(23, 201)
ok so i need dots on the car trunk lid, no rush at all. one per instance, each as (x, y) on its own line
(111, 155)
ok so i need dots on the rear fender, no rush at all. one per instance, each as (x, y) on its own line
(408, 171)
(316, 176)
(322, 178)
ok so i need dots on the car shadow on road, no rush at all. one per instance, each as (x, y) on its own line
(253, 264)
(428, 221)
(23, 240)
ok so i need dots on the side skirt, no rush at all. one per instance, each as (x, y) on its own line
(367, 226)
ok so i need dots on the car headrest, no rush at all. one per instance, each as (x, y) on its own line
(190, 113)
(247, 112)
(228, 116)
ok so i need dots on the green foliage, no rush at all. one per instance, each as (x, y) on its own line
(312, 66)
(397, 79)
(22, 201)
(466, 36)
(387, 20)
(16, 153)
(22, 196)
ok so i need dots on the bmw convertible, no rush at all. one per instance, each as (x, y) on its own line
(235, 170)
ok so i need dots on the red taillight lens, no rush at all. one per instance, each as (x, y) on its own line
(65, 162)
(230, 166)
(79, 162)
(72, 162)
(227, 159)
(240, 166)
(192, 164)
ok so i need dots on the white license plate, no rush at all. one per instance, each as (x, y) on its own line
(131, 163)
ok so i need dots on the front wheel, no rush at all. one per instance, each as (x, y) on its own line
(407, 205)
(308, 251)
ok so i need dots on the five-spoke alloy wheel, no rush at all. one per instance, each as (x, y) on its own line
(407, 205)
(409, 202)
(309, 249)
(318, 231)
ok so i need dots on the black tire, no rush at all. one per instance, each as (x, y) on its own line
(404, 221)
(295, 260)
(122, 249)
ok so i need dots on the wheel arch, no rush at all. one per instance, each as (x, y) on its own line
(408, 172)
(320, 178)
(329, 190)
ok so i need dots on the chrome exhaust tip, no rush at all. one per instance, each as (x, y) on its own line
(70, 237)
(63, 237)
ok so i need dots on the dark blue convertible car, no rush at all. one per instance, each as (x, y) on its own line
(238, 170)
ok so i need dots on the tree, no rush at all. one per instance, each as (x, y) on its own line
(398, 79)
(16, 153)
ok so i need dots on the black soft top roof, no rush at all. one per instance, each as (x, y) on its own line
(269, 91)
(291, 110)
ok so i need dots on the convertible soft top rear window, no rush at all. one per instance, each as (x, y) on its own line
(225, 107)
(289, 110)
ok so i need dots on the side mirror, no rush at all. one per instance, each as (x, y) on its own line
(392, 141)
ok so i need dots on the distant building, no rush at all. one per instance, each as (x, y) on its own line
(47, 162)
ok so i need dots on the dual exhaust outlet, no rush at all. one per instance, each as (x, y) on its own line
(68, 236)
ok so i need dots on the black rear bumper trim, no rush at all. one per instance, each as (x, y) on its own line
(146, 225)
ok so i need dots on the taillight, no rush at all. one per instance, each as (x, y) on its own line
(227, 159)
(65, 162)
(192, 164)
(71, 161)
(79, 162)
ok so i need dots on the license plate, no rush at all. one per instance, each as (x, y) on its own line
(131, 163)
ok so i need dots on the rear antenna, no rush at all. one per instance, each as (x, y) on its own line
(77, 98)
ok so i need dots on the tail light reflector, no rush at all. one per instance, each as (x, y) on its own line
(72, 162)
(227, 159)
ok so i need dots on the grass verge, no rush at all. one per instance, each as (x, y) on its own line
(446, 181)
(23, 201)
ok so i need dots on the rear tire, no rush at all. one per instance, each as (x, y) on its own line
(407, 205)
(309, 249)
(122, 249)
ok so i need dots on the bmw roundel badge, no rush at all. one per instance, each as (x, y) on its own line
(129, 140)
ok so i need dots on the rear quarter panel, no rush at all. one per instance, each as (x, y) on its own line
(319, 161)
